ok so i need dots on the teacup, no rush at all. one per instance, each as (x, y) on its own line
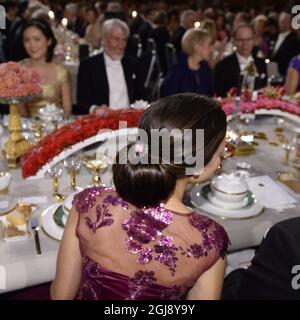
(5, 180)
(229, 188)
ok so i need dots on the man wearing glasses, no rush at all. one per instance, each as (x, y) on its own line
(227, 71)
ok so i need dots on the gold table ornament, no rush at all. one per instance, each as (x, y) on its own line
(16, 145)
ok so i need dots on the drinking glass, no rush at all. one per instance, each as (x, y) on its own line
(55, 172)
(73, 165)
(96, 165)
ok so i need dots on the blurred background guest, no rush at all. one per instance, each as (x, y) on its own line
(260, 42)
(39, 43)
(173, 21)
(187, 21)
(192, 73)
(93, 29)
(292, 81)
(286, 43)
(227, 71)
(160, 35)
(109, 78)
(147, 25)
(15, 48)
(11, 10)
(218, 47)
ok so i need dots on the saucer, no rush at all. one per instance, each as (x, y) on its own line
(198, 197)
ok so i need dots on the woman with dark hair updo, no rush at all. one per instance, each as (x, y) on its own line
(139, 240)
(39, 43)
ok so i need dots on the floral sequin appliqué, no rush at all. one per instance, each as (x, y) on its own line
(86, 200)
(147, 225)
(140, 283)
(214, 238)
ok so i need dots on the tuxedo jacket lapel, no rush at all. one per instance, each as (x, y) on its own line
(281, 49)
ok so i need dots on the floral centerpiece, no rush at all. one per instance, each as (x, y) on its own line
(269, 98)
(83, 128)
(18, 81)
(18, 85)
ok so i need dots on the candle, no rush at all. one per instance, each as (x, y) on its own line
(64, 22)
(51, 15)
(134, 14)
(197, 24)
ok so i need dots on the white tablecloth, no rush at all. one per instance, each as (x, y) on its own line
(24, 268)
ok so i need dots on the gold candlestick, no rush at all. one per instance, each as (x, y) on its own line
(16, 145)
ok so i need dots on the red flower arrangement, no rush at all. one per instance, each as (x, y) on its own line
(18, 81)
(77, 131)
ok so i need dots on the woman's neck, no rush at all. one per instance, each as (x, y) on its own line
(193, 62)
(175, 203)
(37, 62)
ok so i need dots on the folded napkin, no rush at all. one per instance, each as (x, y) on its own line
(270, 194)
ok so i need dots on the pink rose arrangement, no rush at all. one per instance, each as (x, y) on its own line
(269, 98)
(18, 81)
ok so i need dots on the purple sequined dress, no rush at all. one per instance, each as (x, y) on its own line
(131, 253)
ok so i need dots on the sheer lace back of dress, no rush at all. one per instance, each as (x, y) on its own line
(152, 246)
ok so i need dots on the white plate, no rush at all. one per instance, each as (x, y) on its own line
(48, 224)
(199, 201)
(68, 201)
(7, 204)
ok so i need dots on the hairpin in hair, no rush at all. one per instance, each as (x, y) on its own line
(140, 149)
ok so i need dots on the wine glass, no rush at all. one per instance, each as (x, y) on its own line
(96, 165)
(55, 172)
(109, 160)
(288, 144)
(37, 126)
(296, 142)
(73, 165)
(295, 162)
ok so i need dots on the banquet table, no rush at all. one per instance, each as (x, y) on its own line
(21, 267)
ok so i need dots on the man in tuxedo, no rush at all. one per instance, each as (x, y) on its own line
(275, 270)
(286, 43)
(109, 80)
(228, 70)
(187, 21)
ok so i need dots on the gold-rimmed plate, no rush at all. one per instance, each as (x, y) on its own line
(200, 202)
(48, 224)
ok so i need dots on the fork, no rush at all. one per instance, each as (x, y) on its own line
(35, 228)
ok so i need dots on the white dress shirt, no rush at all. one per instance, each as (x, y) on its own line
(244, 62)
(118, 93)
(280, 39)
